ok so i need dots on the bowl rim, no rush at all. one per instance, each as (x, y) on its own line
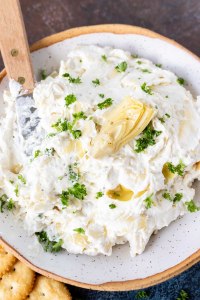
(116, 285)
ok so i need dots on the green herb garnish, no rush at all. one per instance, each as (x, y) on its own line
(78, 191)
(148, 201)
(96, 82)
(105, 104)
(183, 295)
(79, 230)
(10, 204)
(181, 81)
(147, 139)
(71, 79)
(179, 169)
(162, 119)
(43, 74)
(49, 151)
(3, 200)
(60, 125)
(16, 190)
(37, 153)
(101, 95)
(145, 71)
(73, 176)
(48, 246)
(139, 62)
(134, 55)
(141, 295)
(191, 206)
(64, 197)
(79, 115)
(121, 67)
(99, 195)
(23, 180)
(177, 197)
(69, 99)
(104, 57)
(158, 65)
(146, 88)
(112, 206)
(76, 133)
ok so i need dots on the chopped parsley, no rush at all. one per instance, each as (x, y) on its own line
(49, 151)
(145, 71)
(11, 181)
(112, 206)
(16, 190)
(96, 82)
(79, 115)
(147, 139)
(148, 201)
(101, 95)
(51, 134)
(121, 67)
(61, 125)
(48, 246)
(79, 230)
(37, 153)
(179, 169)
(22, 178)
(191, 206)
(177, 197)
(181, 81)
(69, 99)
(10, 204)
(183, 295)
(158, 65)
(78, 191)
(5, 203)
(162, 119)
(64, 197)
(76, 133)
(104, 57)
(99, 195)
(43, 74)
(71, 79)
(105, 104)
(3, 200)
(141, 295)
(139, 62)
(134, 55)
(146, 88)
(73, 176)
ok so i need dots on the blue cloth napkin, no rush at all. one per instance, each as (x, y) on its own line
(189, 281)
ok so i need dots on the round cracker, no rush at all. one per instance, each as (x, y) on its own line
(17, 283)
(7, 260)
(49, 289)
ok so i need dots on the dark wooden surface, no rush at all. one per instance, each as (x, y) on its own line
(177, 19)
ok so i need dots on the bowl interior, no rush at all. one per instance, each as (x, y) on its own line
(172, 244)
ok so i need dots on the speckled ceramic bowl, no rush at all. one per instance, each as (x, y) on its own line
(174, 248)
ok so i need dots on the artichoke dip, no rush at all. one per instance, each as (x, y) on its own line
(117, 151)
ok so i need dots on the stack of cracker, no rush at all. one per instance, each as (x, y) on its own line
(19, 282)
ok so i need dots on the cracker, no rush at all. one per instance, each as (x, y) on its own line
(17, 283)
(49, 289)
(7, 260)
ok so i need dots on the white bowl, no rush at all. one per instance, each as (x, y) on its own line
(174, 248)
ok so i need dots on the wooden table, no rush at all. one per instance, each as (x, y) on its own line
(177, 19)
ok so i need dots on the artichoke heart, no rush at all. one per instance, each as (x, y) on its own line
(75, 146)
(127, 120)
(120, 193)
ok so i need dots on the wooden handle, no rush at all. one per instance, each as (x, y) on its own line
(14, 44)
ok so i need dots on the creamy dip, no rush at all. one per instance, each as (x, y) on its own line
(75, 193)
